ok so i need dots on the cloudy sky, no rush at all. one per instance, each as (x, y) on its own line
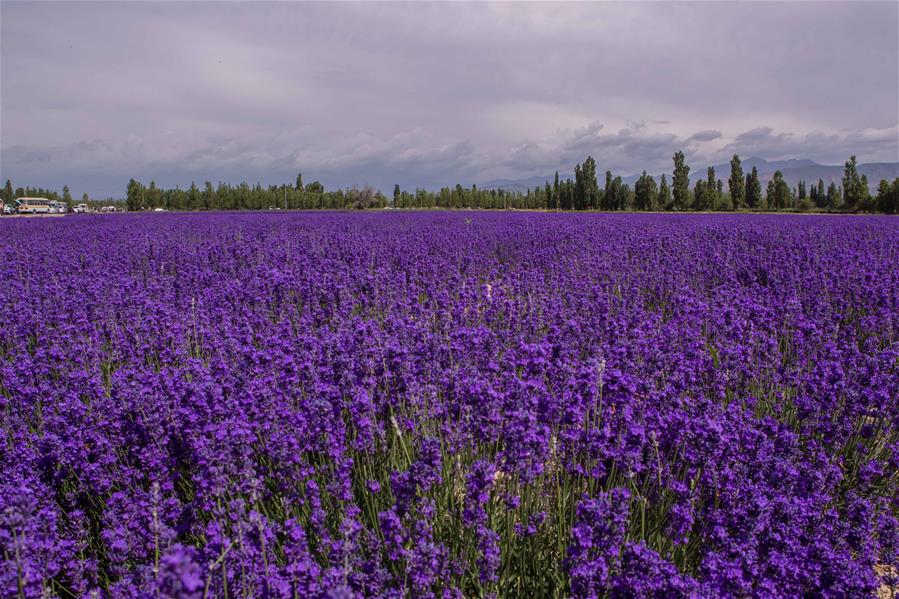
(434, 94)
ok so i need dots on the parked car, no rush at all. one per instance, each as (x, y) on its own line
(81, 209)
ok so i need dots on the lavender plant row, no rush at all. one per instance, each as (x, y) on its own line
(449, 405)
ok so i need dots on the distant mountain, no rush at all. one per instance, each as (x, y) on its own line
(522, 185)
(793, 170)
(765, 166)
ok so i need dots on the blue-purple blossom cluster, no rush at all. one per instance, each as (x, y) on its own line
(449, 405)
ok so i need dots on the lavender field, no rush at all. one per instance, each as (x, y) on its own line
(449, 405)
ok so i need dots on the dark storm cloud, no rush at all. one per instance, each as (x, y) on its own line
(432, 94)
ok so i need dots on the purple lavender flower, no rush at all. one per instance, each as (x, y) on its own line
(423, 405)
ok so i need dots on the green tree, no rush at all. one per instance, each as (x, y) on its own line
(177, 199)
(208, 199)
(193, 197)
(299, 185)
(700, 195)
(613, 194)
(664, 200)
(722, 200)
(133, 195)
(315, 187)
(853, 190)
(712, 189)
(801, 193)
(8, 196)
(778, 193)
(866, 202)
(833, 196)
(888, 197)
(883, 199)
(568, 193)
(608, 199)
(736, 183)
(646, 194)
(67, 196)
(459, 197)
(590, 186)
(578, 188)
(153, 196)
(625, 196)
(556, 198)
(680, 182)
(397, 196)
(753, 189)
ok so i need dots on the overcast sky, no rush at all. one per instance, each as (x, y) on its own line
(434, 94)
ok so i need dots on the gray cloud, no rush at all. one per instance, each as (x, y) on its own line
(709, 135)
(431, 94)
(23, 155)
(869, 144)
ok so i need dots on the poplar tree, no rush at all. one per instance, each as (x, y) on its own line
(578, 188)
(864, 201)
(590, 186)
(608, 200)
(133, 196)
(208, 201)
(556, 198)
(888, 196)
(852, 185)
(154, 198)
(735, 183)
(713, 188)
(833, 196)
(753, 189)
(614, 196)
(645, 193)
(625, 196)
(664, 194)
(700, 195)
(680, 182)
(778, 192)
(855, 188)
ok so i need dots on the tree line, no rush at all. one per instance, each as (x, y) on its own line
(744, 192)
(8, 195)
